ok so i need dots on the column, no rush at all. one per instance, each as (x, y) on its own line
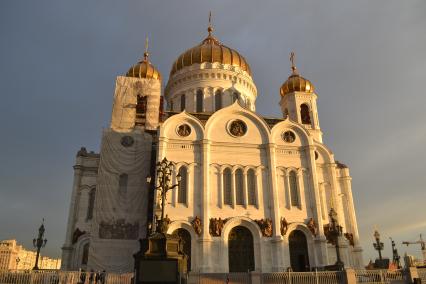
(287, 190)
(67, 249)
(300, 188)
(233, 193)
(205, 239)
(335, 195)
(276, 242)
(258, 187)
(245, 201)
(220, 188)
(320, 240)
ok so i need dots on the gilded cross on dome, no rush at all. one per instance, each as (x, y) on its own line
(292, 59)
(146, 54)
(210, 28)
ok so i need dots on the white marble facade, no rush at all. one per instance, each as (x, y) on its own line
(239, 167)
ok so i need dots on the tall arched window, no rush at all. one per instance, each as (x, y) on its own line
(218, 100)
(200, 99)
(183, 185)
(122, 185)
(85, 257)
(91, 204)
(251, 187)
(239, 187)
(182, 102)
(294, 194)
(227, 186)
(304, 114)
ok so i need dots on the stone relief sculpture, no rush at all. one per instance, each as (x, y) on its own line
(119, 229)
(197, 225)
(216, 226)
(76, 235)
(327, 234)
(283, 226)
(238, 128)
(312, 226)
(350, 238)
(184, 130)
(265, 226)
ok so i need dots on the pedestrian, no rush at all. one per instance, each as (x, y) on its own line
(91, 276)
(82, 276)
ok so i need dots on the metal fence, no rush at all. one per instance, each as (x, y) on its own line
(62, 277)
(320, 277)
(422, 274)
(378, 276)
(219, 278)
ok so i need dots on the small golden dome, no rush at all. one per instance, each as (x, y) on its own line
(145, 70)
(296, 83)
(210, 50)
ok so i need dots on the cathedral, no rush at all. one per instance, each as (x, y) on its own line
(254, 193)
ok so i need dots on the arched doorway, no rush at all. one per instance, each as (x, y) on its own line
(240, 250)
(185, 236)
(299, 257)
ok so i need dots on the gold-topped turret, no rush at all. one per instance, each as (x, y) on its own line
(296, 83)
(210, 50)
(144, 69)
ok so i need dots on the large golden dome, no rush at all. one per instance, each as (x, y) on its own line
(144, 70)
(296, 83)
(210, 50)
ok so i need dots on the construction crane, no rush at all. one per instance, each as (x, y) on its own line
(422, 245)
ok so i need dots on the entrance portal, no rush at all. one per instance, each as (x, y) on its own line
(185, 236)
(240, 250)
(299, 257)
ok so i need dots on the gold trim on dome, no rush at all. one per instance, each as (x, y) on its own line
(210, 50)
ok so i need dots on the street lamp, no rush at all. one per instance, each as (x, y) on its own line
(378, 245)
(164, 181)
(39, 243)
(336, 232)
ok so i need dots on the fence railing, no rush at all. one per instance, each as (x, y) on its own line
(63, 277)
(378, 276)
(220, 278)
(320, 277)
(422, 273)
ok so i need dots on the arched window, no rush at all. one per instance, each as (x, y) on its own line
(141, 105)
(122, 185)
(227, 187)
(218, 100)
(91, 204)
(304, 114)
(199, 99)
(251, 187)
(294, 195)
(183, 185)
(182, 102)
(85, 257)
(239, 187)
(235, 96)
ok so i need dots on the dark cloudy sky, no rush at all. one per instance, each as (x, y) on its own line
(367, 60)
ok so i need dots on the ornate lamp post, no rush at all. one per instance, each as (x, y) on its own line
(17, 262)
(335, 233)
(378, 245)
(164, 181)
(39, 243)
(395, 256)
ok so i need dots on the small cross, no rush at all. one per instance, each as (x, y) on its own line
(292, 59)
(145, 55)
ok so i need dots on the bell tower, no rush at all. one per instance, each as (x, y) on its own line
(299, 101)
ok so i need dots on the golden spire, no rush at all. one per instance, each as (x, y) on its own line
(146, 54)
(210, 28)
(292, 59)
